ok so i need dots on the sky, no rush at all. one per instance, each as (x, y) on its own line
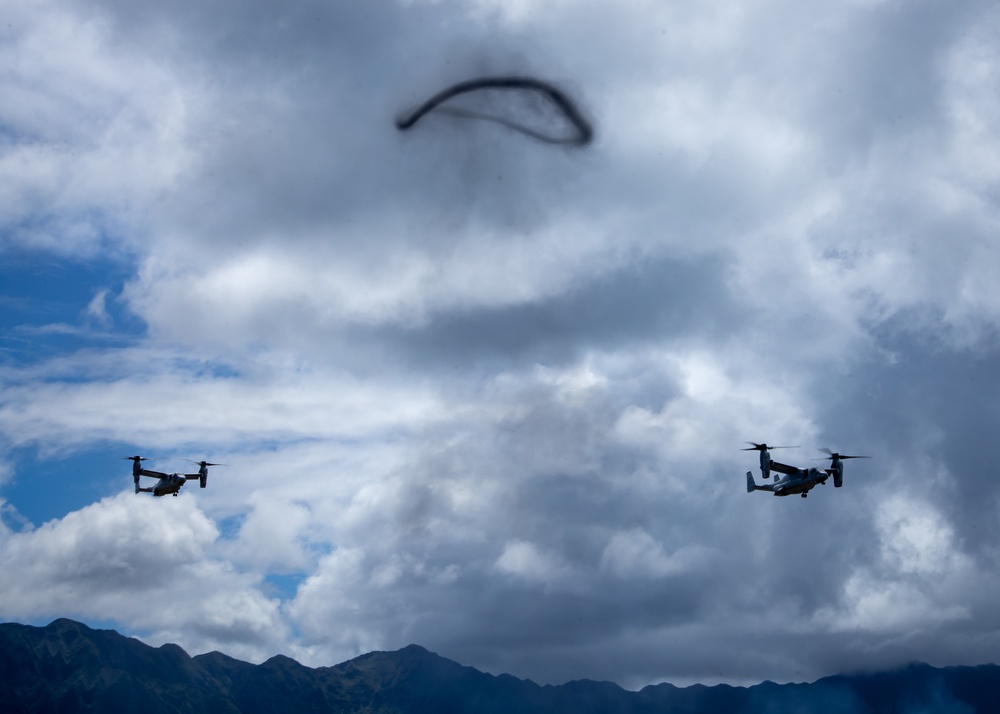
(486, 394)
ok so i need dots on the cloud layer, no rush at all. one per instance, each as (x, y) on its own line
(488, 395)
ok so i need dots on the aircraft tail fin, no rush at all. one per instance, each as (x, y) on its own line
(751, 485)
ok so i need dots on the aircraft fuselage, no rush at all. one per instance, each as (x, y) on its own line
(800, 481)
(169, 484)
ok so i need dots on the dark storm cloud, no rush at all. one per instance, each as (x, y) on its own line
(565, 493)
(645, 301)
(889, 83)
(925, 406)
(292, 126)
(559, 485)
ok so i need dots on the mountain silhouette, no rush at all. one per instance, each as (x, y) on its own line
(67, 667)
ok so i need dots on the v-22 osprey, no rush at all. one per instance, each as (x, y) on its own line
(166, 483)
(793, 479)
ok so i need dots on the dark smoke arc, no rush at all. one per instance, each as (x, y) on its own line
(584, 132)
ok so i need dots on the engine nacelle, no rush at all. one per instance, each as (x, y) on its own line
(838, 472)
(202, 474)
(765, 464)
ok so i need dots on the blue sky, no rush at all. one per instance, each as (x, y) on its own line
(485, 394)
(56, 306)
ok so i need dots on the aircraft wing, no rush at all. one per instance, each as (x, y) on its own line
(783, 468)
(191, 477)
(153, 474)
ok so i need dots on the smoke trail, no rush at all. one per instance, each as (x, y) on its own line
(583, 131)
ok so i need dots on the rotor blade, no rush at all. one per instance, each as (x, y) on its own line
(765, 447)
(835, 455)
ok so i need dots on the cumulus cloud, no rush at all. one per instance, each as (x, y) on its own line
(145, 564)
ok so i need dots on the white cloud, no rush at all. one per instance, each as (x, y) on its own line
(916, 539)
(527, 561)
(148, 565)
(634, 554)
(273, 535)
(160, 402)
(918, 581)
(94, 132)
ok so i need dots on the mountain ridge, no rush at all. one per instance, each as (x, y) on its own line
(68, 667)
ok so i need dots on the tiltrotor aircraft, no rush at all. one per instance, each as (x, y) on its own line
(167, 483)
(795, 480)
